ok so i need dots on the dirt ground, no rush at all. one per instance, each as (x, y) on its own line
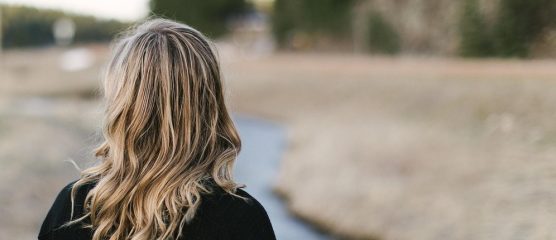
(385, 148)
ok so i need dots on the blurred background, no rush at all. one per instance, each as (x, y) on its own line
(362, 119)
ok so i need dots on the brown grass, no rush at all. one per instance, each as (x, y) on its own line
(412, 148)
(47, 116)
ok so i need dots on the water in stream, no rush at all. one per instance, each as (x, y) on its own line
(263, 144)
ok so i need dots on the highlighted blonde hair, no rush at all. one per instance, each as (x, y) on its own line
(167, 134)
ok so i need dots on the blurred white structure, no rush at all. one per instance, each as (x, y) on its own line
(76, 59)
(64, 31)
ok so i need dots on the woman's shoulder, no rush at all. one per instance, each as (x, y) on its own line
(241, 214)
(63, 199)
(61, 210)
(238, 202)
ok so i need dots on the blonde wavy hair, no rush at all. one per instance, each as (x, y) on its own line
(167, 135)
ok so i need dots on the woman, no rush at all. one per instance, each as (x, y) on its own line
(168, 150)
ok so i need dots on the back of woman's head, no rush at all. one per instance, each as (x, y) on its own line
(167, 134)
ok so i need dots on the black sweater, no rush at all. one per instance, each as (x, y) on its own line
(220, 216)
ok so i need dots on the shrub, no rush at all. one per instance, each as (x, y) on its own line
(475, 40)
(382, 37)
(283, 20)
(520, 23)
(328, 18)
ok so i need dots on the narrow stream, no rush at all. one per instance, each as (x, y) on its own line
(257, 166)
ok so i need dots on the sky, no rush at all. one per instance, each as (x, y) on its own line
(116, 9)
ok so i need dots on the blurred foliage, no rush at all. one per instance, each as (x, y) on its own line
(208, 16)
(328, 18)
(518, 24)
(27, 26)
(475, 36)
(382, 37)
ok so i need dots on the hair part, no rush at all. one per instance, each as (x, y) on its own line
(167, 135)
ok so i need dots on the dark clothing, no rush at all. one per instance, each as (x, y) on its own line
(220, 216)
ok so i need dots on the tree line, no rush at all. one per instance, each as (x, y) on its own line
(518, 24)
(30, 27)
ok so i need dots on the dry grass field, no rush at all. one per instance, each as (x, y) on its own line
(412, 148)
(379, 148)
(47, 116)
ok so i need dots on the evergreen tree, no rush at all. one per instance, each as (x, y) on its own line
(475, 40)
(382, 36)
(519, 23)
(208, 16)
